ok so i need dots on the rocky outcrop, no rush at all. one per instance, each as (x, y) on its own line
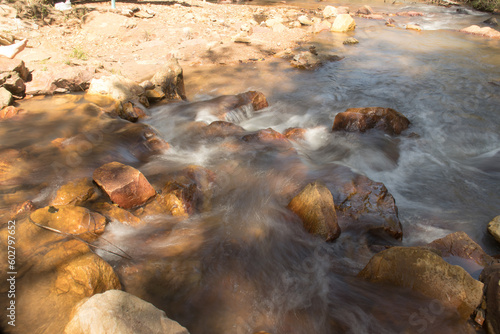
(314, 206)
(170, 81)
(426, 272)
(125, 185)
(484, 31)
(70, 219)
(363, 119)
(491, 278)
(494, 228)
(118, 312)
(343, 23)
(76, 192)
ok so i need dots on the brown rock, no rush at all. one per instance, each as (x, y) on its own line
(362, 119)
(268, 137)
(461, 245)
(314, 205)
(365, 10)
(485, 31)
(77, 192)
(222, 129)
(14, 65)
(13, 83)
(155, 95)
(125, 185)
(413, 27)
(494, 228)
(491, 278)
(343, 23)
(114, 213)
(170, 80)
(9, 112)
(164, 204)
(5, 98)
(312, 60)
(142, 140)
(296, 134)
(130, 112)
(426, 272)
(63, 79)
(117, 87)
(410, 13)
(70, 219)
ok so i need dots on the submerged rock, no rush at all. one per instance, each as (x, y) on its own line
(492, 21)
(343, 23)
(491, 278)
(222, 129)
(494, 228)
(9, 112)
(295, 134)
(485, 31)
(426, 272)
(115, 213)
(311, 60)
(76, 192)
(118, 312)
(350, 41)
(125, 185)
(314, 205)
(362, 119)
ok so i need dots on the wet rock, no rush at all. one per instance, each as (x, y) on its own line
(141, 140)
(155, 94)
(14, 65)
(114, 213)
(320, 26)
(77, 192)
(364, 205)
(116, 87)
(117, 311)
(491, 278)
(70, 219)
(268, 136)
(170, 80)
(426, 272)
(485, 31)
(63, 79)
(314, 205)
(329, 11)
(494, 228)
(168, 203)
(131, 112)
(5, 98)
(13, 167)
(459, 244)
(343, 23)
(125, 185)
(312, 60)
(373, 17)
(305, 21)
(492, 22)
(413, 27)
(13, 83)
(350, 41)
(365, 10)
(9, 112)
(295, 134)
(222, 129)
(362, 119)
(410, 13)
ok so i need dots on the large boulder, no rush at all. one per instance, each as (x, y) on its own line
(116, 87)
(118, 312)
(426, 272)
(74, 220)
(170, 81)
(125, 185)
(63, 79)
(76, 192)
(491, 279)
(494, 228)
(14, 65)
(314, 206)
(362, 119)
(343, 23)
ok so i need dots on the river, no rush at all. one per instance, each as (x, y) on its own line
(242, 267)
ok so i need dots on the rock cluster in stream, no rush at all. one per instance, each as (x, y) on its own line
(54, 241)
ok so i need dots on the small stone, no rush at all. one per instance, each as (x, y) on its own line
(5, 98)
(242, 39)
(343, 23)
(494, 228)
(350, 41)
(413, 27)
(365, 10)
(189, 16)
(304, 20)
(329, 11)
(491, 22)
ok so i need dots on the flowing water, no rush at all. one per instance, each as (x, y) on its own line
(246, 264)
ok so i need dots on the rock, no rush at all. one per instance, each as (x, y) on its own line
(459, 244)
(279, 27)
(485, 31)
(9, 112)
(494, 228)
(362, 119)
(491, 22)
(5, 98)
(62, 79)
(155, 94)
(329, 11)
(119, 312)
(314, 205)
(321, 25)
(14, 65)
(125, 185)
(222, 129)
(305, 21)
(365, 10)
(410, 13)
(413, 27)
(310, 61)
(163, 204)
(170, 80)
(373, 17)
(13, 83)
(350, 41)
(295, 134)
(242, 39)
(116, 87)
(426, 272)
(70, 219)
(268, 136)
(272, 22)
(343, 10)
(131, 112)
(77, 192)
(141, 140)
(114, 213)
(491, 278)
(343, 23)
(364, 205)
(390, 22)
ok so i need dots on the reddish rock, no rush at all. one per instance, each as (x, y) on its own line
(410, 13)
(314, 205)
(142, 140)
(373, 17)
(268, 136)
(485, 31)
(222, 129)
(125, 185)
(295, 134)
(14, 65)
(76, 192)
(362, 119)
(491, 278)
(9, 112)
(365, 10)
(131, 112)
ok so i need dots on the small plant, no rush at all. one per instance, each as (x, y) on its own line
(78, 53)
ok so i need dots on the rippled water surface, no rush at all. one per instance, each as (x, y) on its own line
(246, 264)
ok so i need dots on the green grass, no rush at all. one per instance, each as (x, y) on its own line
(78, 53)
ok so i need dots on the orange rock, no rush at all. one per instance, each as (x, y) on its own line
(362, 119)
(125, 185)
(9, 112)
(222, 129)
(295, 133)
(485, 31)
(76, 192)
(114, 213)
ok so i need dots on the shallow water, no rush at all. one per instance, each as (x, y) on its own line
(246, 264)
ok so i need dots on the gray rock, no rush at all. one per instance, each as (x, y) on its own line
(118, 312)
(13, 83)
(494, 228)
(491, 22)
(5, 98)
(426, 272)
(170, 80)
